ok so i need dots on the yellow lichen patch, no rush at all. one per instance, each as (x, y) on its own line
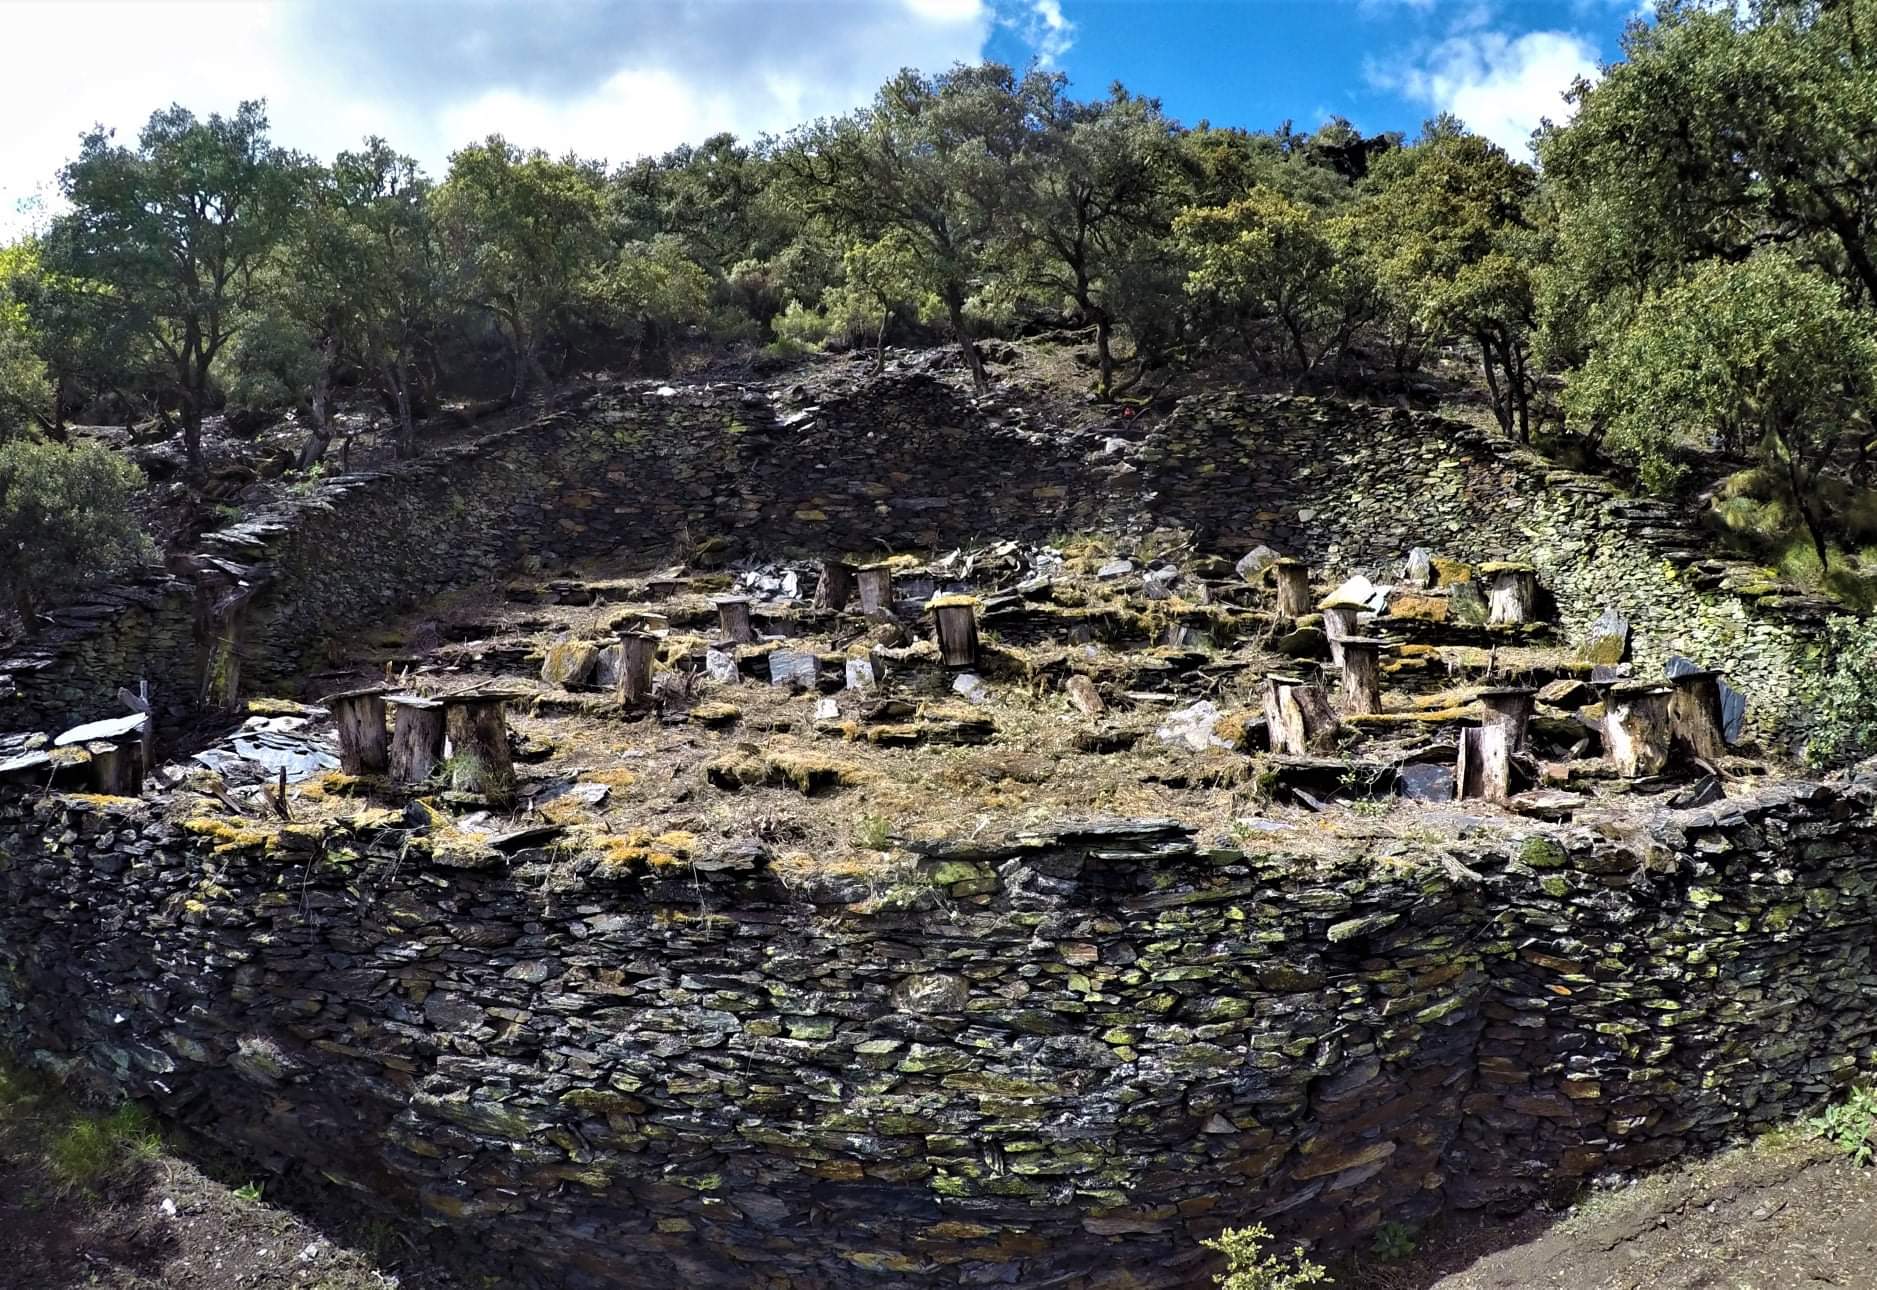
(617, 777)
(621, 853)
(332, 784)
(101, 799)
(953, 600)
(1426, 609)
(1233, 727)
(379, 817)
(1427, 716)
(264, 706)
(1449, 572)
(228, 835)
(715, 713)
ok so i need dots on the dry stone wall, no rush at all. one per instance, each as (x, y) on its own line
(903, 464)
(1058, 1060)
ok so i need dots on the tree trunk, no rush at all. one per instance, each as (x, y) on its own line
(417, 733)
(1104, 355)
(1802, 499)
(479, 758)
(879, 341)
(407, 428)
(360, 719)
(1500, 409)
(955, 309)
(23, 604)
(321, 438)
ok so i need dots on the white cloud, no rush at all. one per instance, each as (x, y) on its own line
(1502, 86)
(1052, 34)
(605, 78)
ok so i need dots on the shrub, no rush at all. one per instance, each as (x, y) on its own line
(1843, 694)
(65, 518)
(1851, 1126)
(1249, 1267)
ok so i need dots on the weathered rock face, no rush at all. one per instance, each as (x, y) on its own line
(1061, 1059)
(907, 463)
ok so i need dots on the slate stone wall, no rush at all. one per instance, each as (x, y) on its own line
(905, 464)
(1063, 1059)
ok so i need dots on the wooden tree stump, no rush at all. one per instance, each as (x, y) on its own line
(115, 747)
(1511, 707)
(1636, 727)
(733, 620)
(360, 717)
(1339, 623)
(874, 582)
(1361, 689)
(1484, 766)
(1695, 721)
(836, 587)
(1293, 587)
(637, 652)
(957, 621)
(417, 733)
(1512, 594)
(479, 758)
(1299, 717)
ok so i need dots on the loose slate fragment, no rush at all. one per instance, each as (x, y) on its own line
(114, 728)
(719, 665)
(1608, 641)
(1418, 569)
(860, 674)
(795, 668)
(1255, 561)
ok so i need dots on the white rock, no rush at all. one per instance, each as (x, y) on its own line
(971, 686)
(720, 666)
(1192, 727)
(1255, 562)
(860, 674)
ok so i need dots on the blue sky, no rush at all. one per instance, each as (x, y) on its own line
(619, 78)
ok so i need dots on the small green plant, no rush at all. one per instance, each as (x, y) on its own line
(873, 833)
(250, 1192)
(1393, 1242)
(1851, 1125)
(1249, 1266)
(93, 1149)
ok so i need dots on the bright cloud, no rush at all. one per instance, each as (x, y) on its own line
(1052, 34)
(604, 78)
(1501, 86)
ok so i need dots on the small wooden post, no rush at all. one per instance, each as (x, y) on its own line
(836, 587)
(1636, 727)
(1695, 718)
(1512, 593)
(1293, 587)
(115, 747)
(1339, 623)
(1484, 768)
(875, 585)
(1299, 717)
(417, 730)
(637, 652)
(666, 585)
(957, 629)
(1361, 690)
(479, 758)
(1511, 707)
(733, 620)
(360, 717)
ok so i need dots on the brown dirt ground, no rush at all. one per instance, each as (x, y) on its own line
(1772, 1216)
(165, 1224)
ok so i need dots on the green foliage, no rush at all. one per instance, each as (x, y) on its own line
(1851, 1125)
(65, 517)
(173, 230)
(93, 1149)
(1248, 1265)
(873, 833)
(1394, 1242)
(1843, 698)
(1761, 353)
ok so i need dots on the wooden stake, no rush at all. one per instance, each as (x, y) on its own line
(1512, 592)
(637, 652)
(1695, 721)
(480, 761)
(417, 730)
(1293, 587)
(1484, 768)
(836, 587)
(1299, 717)
(1510, 707)
(957, 630)
(360, 717)
(1361, 690)
(875, 585)
(117, 765)
(1636, 727)
(733, 620)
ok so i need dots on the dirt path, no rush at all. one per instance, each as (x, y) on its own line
(1757, 1218)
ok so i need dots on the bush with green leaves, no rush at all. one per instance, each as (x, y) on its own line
(65, 518)
(1843, 693)
(1249, 1265)
(1851, 1126)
